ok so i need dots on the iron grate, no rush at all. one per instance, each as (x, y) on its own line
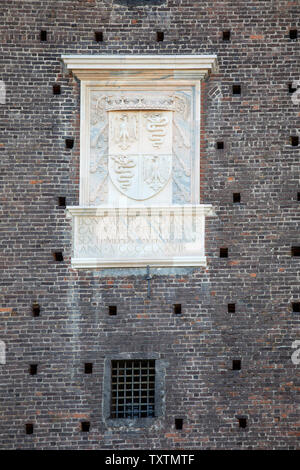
(132, 389)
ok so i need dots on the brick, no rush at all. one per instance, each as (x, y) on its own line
(260, 276)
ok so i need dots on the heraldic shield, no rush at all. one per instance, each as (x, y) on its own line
(140, 151)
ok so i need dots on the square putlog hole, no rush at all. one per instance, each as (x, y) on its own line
(296, 307)
(177, 309)
(294, 140)
(58, 256)
(223, 252)
(29, 428)
(112, 310)
(85, 426)
(160, 35)
(43, 35)
(36, 309)
(98, 36)
(220, 145)
(178, 424)
(226, 35)
(56, 89)
(236, 364)
(243, 423)
(236, 198)
(236, 90)
(61, 202)
(88, 368)
(293, 34)
(69, 143)
(295, 251)
(231, 308)
(33, 369)
(291, 88)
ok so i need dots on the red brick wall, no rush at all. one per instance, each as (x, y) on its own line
(259, 276)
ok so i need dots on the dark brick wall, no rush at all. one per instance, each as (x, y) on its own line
(259, 276)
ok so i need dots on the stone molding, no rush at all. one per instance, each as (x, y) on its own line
(85, 66)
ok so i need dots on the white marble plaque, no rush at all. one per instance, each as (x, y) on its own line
(140, 162)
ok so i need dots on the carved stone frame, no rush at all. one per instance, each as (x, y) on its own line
(144, 72)
(89, 86)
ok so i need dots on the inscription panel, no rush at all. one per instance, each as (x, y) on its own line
(166, 236)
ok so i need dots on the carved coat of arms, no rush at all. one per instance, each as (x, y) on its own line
(140, 151)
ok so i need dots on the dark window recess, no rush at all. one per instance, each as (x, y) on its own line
(160, 35)
(223, 252)
(231, 308)
(36, 310)
(58, 256)
(293, 34)
(69, 143)
(236, 197)
(33, 369)
(43, 35)
(236, 89)
(226, 35)
(98, 36)
(133, 389)
(298, 196)
(88, 368)
(220, 145)
(291, 89)
(112, 310)
(56, 89)
(177, 309)
(62, 201)
(294, 140)
(85, 426)
(236, 364)
(296, 307)
(29, 428)
(242, 422)
(178, 423)
(295, 251)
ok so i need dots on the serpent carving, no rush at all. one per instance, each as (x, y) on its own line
(155, 126)
(122, 169)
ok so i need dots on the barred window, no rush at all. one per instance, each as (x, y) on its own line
(133, 389)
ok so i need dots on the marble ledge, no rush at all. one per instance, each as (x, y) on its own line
(188, 209)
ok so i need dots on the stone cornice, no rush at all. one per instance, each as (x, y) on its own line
(188, 209)
(180, 66)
